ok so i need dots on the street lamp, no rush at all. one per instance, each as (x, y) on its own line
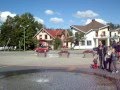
(24, 33)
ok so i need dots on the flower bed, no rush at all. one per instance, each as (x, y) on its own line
(64, 51)
(89, 51)
(42, 52)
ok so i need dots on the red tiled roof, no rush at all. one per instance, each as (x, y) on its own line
(54, 32)
(92, 25)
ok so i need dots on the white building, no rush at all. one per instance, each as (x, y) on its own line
(93, 32)
(115, 34)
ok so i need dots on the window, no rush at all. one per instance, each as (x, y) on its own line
(115, 35)
(96, 33)
(40, 36)
(43, 31)
(45, 36)
(110, 34)
(88, 42)
(103, 33)
(76, 42)
(82, 43)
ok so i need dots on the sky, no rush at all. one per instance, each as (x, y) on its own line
(63, 13)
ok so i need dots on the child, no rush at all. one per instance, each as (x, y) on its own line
(114, 59)
(95, 63)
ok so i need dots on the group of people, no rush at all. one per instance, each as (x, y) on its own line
(108, 57)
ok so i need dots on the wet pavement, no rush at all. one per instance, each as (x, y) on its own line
(55, 80)
(27, 71)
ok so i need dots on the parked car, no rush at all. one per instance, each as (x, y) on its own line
(42, 49)
(7, 48)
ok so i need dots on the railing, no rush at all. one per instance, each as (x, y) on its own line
(101, 36)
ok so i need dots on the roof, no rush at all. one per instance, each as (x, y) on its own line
(91, 26)
(114, 30)
(52, 32)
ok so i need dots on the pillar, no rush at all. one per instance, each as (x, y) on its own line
(96, 41)
(108, 41)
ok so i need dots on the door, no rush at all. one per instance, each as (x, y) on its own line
(103, 42)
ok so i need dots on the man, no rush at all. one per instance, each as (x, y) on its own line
(118, 50)
(114, 45)
(101, 52)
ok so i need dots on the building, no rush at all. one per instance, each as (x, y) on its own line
(93, 33)
(50, 34)
(115, 35)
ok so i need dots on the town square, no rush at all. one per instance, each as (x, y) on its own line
(59, 45)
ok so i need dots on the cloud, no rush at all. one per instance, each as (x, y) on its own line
(39, 20)
(71, 21)
(98, 20)
(3, 15)
(49, 12)
(58, 13)
(86, 14)
(56, 20)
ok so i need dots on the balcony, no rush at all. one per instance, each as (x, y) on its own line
(101, 36)
(115, 36)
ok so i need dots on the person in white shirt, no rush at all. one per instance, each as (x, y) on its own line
(108, 58)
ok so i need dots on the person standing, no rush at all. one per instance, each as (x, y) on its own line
(114, 61)
(118, 50)
(108, 58)
(101, 52)
(114, 45)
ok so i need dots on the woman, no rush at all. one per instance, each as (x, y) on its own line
(108, 58)
(101, 52)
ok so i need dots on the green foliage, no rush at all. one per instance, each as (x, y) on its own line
(13, 30)
(79, 35)
(70, 32)
(57, 43)
(113, 26)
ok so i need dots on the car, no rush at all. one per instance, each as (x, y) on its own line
(5, 48)
(42, 49)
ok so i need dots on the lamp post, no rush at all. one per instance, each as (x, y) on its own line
(24, 34)
(0, 23)
(24, 39)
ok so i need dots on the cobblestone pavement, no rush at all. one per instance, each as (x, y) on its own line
(60, 78)
(56, 80)
(23, 62)
(52, 59)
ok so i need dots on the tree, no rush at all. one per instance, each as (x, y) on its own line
(30, 31)
(79, 35)
(113, 26)
(13, 30)
(6, 31)
(57, 43)
(70, 32)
